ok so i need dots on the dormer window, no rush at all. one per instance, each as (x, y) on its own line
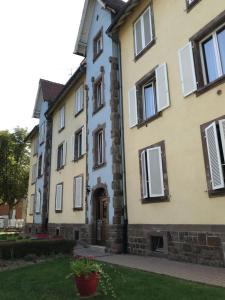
(98, 45)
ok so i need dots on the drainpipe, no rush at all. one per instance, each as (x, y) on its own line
(125, 230)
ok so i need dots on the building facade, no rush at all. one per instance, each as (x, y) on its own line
(104, 160)
(173, 85)
(67, 202)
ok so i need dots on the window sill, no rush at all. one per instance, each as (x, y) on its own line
(40, 176)
(96, 56)
(154, 200)
(58, 211)
(152, 43)
(78, 158)
(149, 120)
(190, 6)
(32, 183)
(98, 109)
(60, 168)
(61, 129)
(210, 85)
(77, 208)
(216, 193)
(78, 113)
(96, 167)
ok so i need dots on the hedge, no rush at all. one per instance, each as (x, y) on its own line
(19, 249)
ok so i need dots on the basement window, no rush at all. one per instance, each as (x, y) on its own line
(157, 244)
(76, 235)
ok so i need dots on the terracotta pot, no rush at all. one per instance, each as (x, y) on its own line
(87, 285)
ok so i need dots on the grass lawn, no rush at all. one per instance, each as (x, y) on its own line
(46, 281)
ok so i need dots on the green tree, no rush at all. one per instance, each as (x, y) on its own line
(14, 166)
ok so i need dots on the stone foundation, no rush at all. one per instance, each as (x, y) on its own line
(201, 244)
(31, 228)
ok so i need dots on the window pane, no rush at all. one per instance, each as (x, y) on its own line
(139, 46)
(149, 101)
(221, 42)
(210, 60)
(147, 27)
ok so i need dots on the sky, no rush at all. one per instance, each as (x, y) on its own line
(37, 41)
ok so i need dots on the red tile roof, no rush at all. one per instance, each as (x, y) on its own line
(50, 89)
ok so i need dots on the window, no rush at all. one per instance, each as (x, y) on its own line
(149, 97)
(202, 60)
(38, 202)
(32, 199)
(61, 156)
(98, 94)
(79, 99)
(40, 166)
(79, 147)
(143, 33)
(98, 45)
(59, 197)
(213, 55)
(78, 192)
(213, 139)
(34, 173)
(42, 133)
(154, 184)
(61, 118)
(99, 147)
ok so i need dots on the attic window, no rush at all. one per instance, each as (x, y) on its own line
(98, 45)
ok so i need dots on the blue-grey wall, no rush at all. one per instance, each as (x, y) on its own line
(102, 116)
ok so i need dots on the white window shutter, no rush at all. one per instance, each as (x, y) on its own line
(38, 202)
(78, 192)
(73, 147)
(132, 98)
(214, 157)
(58, 198)
(222, 134)
(81, 97)
(162, 88)
(42, 164)
(155, 172)
(144, 175)
(187, 70)
(84, 139)
(64, 153)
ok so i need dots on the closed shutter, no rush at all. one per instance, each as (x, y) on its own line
(144, 175)
(187, 70)
(214, 157)
(222, 134)
(132, 98)
(73, 147)
(64, 153)
(78, 192)
(155, 172)
(162, 89)
(38, 202)
(58, 198)
(84, 139)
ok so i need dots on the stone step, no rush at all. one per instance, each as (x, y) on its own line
(90, 250)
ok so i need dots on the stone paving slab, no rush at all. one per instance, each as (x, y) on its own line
(188, 271)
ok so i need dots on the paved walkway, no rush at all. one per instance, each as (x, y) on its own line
(188, 271)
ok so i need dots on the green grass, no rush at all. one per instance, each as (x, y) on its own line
(47, 281)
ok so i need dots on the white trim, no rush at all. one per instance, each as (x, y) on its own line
(144, 178)
(132, 104)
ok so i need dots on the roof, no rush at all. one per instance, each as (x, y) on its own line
(73, 79)
(50, 89)
(81, 43)
(121, 17)
(47, 91)
(32, 133)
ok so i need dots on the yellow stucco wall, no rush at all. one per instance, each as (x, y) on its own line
(71, 169)
(179, 125)
(31, 187)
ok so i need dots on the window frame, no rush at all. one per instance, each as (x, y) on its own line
(97, 52)
(96, 105)
(152, 31)
(61, 146)
(96, 161)
(40, 166)
(78, 155)
(216, 192)
(78, 93)
(149, 199)
(189, 6)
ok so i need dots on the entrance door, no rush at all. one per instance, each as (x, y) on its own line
(101, 220)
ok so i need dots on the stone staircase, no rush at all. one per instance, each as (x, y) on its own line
(83, 249)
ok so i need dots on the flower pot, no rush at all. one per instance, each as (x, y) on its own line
(87, 285)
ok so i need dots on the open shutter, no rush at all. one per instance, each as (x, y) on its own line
(214, 157)
(187, 70)
(73, 147)
(64, 153)
(58, 198)
(155, 172)
(162, 89)
(132, 98)
(42, 164)
(222, 134)
(144, 175)
(78, 192)
(84, 139)
(81, 97)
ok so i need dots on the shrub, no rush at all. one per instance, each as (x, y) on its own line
(19, 249)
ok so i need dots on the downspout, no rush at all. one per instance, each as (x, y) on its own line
(125, 231)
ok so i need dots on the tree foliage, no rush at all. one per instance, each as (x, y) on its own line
(14, 166)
